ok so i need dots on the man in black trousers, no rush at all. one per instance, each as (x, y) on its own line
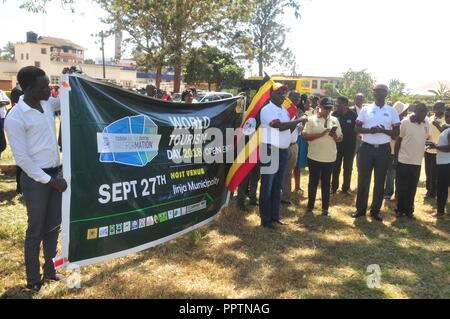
(409, 151)
(31, 131)
(378, 123)
(346, 148)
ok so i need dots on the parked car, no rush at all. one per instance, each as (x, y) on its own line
(212, 96)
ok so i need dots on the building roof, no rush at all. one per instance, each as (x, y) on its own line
(57, 42)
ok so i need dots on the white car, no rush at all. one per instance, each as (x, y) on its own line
(212, 96)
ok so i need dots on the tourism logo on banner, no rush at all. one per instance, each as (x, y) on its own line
(132, 140)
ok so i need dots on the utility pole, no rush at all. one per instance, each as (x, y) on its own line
(102, 37)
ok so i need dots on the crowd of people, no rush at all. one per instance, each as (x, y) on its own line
(324, 135)
(386, 141)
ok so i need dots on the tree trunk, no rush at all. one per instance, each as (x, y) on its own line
(158, 76)
(260, 64)
(177, 78)
(209, 87)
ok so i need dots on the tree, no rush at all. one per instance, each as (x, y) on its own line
(147, 27)
(262, 38)
(213, 66)
(396, 90)
(38, 6)
(89, 61)
(442, 93)
(7, 53)
(355, 82)
(330, 89)
(167, 31)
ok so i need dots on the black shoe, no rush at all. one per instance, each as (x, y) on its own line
(398, 214)
(325, 213)
(357, 215)
(287, 202)
(377, 217)
(254, 203)
(55, 277)
(349, 193)
(280, 222)
(35, 287)
(410, 216)
(430, 196)
(267, 225)
(242, 208)
(333, 192)
(309, 211)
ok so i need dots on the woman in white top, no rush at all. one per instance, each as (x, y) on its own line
(443, 167)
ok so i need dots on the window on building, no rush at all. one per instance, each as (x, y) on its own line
(314, 84)
(37, 64)
(305, 84)
(21, 56)
(43, 50)
(322, 84)
(28, 56)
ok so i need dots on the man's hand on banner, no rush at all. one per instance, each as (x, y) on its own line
(58, 183)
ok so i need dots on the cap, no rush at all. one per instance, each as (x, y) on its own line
(326, 102)
(276, 86)
(400, 107)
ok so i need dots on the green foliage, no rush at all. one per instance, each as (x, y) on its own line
(195, 237)
(166, 31)
(442, 93)
(330, 90)
(396, 91)
(213, 66)
(38, 6)
(355, 82)
(262, 37)
(89, 61)
(7, 53)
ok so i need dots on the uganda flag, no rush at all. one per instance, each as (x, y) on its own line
(249, 152)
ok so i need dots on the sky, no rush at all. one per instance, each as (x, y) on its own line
(393, 39)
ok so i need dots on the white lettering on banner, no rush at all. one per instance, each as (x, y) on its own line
(122, 191)
(190, 122)
(193, 186)
(121, 143)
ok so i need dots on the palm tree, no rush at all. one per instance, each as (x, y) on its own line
(442, 93)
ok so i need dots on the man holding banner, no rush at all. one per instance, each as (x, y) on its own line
(276, 137)
(30, 127)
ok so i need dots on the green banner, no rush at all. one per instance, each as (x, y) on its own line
(136, 169)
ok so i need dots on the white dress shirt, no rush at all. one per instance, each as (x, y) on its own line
(373, 115)
(3, 98)
(270, 114)
(32, 137)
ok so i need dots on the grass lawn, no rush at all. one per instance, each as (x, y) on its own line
(232, 257)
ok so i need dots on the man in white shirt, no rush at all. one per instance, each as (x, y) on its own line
(30, 127)
(409, 151)
(359, 103)
(276, 138)
(4, 101)
(378, 123)
(294, 96)
(443, 166)
(437, 126)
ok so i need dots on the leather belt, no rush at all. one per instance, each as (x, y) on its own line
(52, 170)
(376, 145)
